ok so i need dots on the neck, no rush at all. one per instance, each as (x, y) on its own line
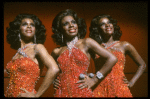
(108, 39)
(70, 39)
(23, 43)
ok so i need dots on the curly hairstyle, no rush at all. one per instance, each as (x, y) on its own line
(96, 32)
(14, 29)
(56, 26)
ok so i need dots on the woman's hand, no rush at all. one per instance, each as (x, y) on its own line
(27, 93)
(56, 84)
(87, 82)
(130, 84)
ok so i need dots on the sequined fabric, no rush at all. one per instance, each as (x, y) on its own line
(23, 73)
(113, 84)
(71, 67)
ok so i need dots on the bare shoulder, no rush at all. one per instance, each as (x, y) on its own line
(56, 51)
(126, 45)
(89, 41)
(39, 47)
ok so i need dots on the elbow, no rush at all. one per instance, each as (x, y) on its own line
(144, 66)
(114, 59)
(56, 70)
(53, 70)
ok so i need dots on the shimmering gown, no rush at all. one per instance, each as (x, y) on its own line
(72, 64)
(23, 73)
(113, 84)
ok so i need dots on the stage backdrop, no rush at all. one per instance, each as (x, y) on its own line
(132, 18)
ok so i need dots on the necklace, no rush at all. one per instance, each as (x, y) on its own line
(20, 51)
(71, 44)
(108, 45)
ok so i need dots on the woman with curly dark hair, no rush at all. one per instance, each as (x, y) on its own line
(106, 32)
(27, 34)
(73, 56)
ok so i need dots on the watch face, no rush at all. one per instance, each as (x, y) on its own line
(99, 75)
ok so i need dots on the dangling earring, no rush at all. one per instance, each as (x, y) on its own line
(19, 37)
(99, 36)
(78, 36)
(34, 39)
(62, 38)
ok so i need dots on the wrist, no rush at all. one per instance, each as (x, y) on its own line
(37, 95)
(95, 79)
(99, 75)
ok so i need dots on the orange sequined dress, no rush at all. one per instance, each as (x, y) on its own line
(23, 73)
(113, 84)
(72, 64)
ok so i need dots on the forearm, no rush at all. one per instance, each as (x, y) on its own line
(138, 73)
(106, 68)
(49, 77)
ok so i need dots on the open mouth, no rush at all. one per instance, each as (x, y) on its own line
(29, 31)
(108, 29)
(72, 30)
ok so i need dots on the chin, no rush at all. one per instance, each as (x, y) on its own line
(73, 34)
(109, 33)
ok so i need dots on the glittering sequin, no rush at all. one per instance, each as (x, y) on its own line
(113, 84)
(23, 73)
(71, 67)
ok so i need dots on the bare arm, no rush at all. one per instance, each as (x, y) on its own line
(52, 68)
(131, 51)
(102, 52)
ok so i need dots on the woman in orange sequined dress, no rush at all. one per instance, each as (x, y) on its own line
(24, 68)
(73, 55)
(105, 31)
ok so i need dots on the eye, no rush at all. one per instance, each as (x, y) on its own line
(73, 21)
(101, 24)
(109, 22)
(66, 23)
(23, 24)
(32, 24)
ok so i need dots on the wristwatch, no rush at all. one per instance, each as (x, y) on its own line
(99, 75)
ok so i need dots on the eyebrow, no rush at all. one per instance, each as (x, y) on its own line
(71, 20)
(26, 22)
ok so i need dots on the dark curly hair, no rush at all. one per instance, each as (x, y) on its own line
(95, 31)
(14, 29)
(56, 26)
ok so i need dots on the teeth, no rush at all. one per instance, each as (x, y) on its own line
(108, 29)
(29, 31)
(72, 30)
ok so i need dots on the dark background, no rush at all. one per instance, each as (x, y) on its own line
(132, 18)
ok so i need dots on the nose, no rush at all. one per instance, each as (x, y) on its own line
(71, 25)
(107, 25)
(28, 26)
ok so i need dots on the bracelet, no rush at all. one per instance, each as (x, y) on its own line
(99, 75)
(81, 76)
(91, 75)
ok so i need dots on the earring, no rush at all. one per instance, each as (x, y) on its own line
(34, 39)
(99, 36)
(62, 38)
(78, 36)
(19, 37)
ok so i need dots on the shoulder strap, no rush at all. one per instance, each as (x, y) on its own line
(112, 45)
